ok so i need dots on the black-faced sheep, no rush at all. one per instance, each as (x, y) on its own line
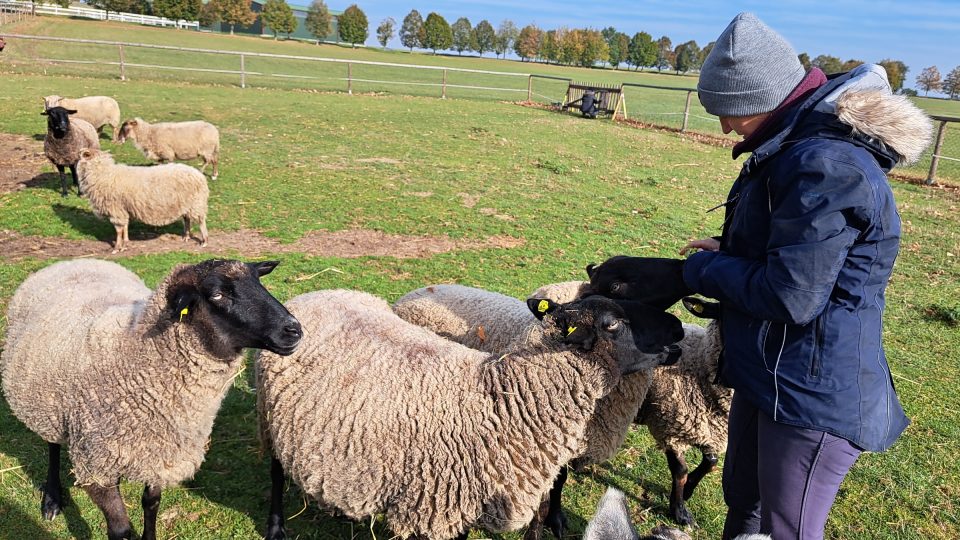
(99, 111)
(376, 416)
(156, 195)
(131, 379)
(66, 137)
(167, 141)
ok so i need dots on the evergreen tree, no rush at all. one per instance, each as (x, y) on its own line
(278, 17)
(436, 33)
(319, 20)
(353, 25)
(484, 37)
(385, 31)
(234, 12)
(461, 30)
(507, 35)
(411, 32)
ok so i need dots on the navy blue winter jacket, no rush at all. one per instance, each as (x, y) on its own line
(809, 240)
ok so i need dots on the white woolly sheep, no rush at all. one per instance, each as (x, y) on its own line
(377, 416)
(167, 141)
(128, 378)
(66, 137)
(612, 522)
(156, 195)
(98, 110)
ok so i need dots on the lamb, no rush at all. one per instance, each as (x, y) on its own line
(612, 522)
(64, 140)
(131, 379)
(99, 111)
(157, 195)
(374, 415)
(167, 141)
(685, 406)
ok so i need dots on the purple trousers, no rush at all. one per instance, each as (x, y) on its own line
(778, 479)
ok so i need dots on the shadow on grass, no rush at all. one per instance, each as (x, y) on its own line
(658, 488)
(84, 221)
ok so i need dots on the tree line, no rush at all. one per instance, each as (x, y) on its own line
(929, 79)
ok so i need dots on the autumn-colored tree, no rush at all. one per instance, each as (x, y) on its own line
(643, 51)
(929, 79)
(593, 48)
(570, 45)
(850, 64)
(411, 31)
(385, 31)
(828, 64)
(319, 20)
(484, 37)
(804, 59)
(507, 34)
(353, 26)
(278, 17)
(549, 50)
(461, 31)
(896, 73)
(528, 42)
(209, 13)
(437, 33)
(234, 12)
(951, 84)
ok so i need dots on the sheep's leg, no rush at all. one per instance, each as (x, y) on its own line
(556, 519)
(52, 501)
(116, 133)
(535, 527)
(186, 228)
(216, 167)
(463, 536)
(121, 233)
(151, 503)
(707, 464)
(63, 181)
(76, 179)
(203, 231)
(109, 502)
(678, 470)
(275, 530)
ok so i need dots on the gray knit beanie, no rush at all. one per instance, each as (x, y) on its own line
(750, 70)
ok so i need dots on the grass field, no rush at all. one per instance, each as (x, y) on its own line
(569, 191)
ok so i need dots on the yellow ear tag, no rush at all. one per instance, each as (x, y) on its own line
(698, 308)
(183, 312)
(543, 306)
(571, 330)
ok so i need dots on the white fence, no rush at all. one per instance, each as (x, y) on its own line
(90, 13)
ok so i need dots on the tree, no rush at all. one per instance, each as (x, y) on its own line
(850, 64)
(461, 30)
(619, 49)
(436, 33)
(593, 48)
(353, 25)
(209, 13)
(642, 50)
(896, 73)
(178, 9)
(33, 4)
(549, 49)
(278, 17)
(687, 57)
(234, 12)
(951, 84)
(116, 6)
(804, 59)
(318, 20)
(411, 31)
(828, 64)
(929, 79)
(664, 54)
(484, 37)
(705, 52)
(569, 45)
(527, 43)
(385, 31)
(507, 34)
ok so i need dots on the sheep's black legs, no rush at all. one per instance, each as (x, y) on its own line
(556, 520)
(109, 502)
(63, 181)
(76, 179)
(275, 529)
(52, 502)
(151, 504)
(678, 470)
(707, 464)
(463, 536)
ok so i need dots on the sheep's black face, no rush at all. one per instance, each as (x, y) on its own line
(234, 310)
(654, 281)
(58, 121)
(641, 337)
(126, 130)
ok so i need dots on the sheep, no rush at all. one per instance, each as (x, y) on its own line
(98, 110)
(167, 141)
(612, 522)
(64, 140)
(490, 322)
(374, 415)
(128, 378)
(684, 406)
(563, 292)
(157, 195)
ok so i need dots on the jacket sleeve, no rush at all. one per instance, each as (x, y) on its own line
(818, 208)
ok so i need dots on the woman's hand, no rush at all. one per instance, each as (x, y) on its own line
(704, 244)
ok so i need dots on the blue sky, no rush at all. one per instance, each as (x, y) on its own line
(921, 33)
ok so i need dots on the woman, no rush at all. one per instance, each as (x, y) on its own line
(809, 239)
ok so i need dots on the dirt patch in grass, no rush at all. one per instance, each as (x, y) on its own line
(21, 160)
(248, 243)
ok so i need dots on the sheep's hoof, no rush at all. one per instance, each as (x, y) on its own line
(51, 504)
(64, 194)
(214, 177)
(534, 532)
(275, 532)
(557, 522)
(682, 516)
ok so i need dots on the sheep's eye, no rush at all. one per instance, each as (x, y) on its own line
(612, 325)
(216, 296)
(615, 286)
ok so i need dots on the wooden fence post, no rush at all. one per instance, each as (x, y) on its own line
(123, 75)
(936, 153)
(243, 71)
(530, 88)
(443, 91)
(686, 112)
(350, 78)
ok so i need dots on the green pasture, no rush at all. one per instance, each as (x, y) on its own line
(574, 191)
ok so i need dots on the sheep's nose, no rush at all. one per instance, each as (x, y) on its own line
(293, 329)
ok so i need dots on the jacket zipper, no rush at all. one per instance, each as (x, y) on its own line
(817, 345)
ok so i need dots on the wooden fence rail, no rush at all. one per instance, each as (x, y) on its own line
(935, 159)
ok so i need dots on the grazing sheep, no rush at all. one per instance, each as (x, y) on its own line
(131, 379)
(685, 406)
(98, 110)
(64, 140)
(157, 195)
(491, 322)
(374, 415)
(167, 141)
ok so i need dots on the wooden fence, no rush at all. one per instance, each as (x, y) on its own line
(935, 159)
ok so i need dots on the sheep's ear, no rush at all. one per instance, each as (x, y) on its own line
(701, 308)
(70, 111)
(182, 302)
(44, 113)
(86, 153)
(541, 306)
(590, 269)
(264, 268)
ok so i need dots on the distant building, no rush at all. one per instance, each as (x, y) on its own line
(300, 12)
